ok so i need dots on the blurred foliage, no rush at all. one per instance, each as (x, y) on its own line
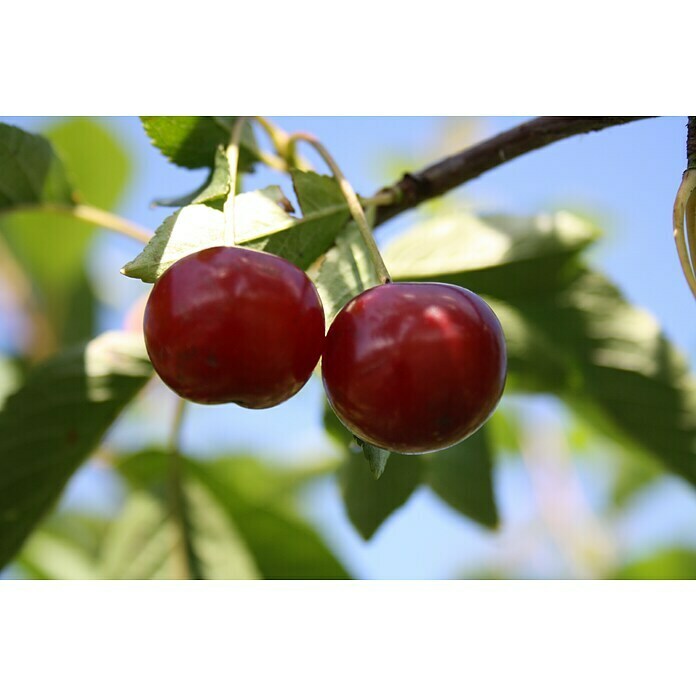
(666, 564)
(52, 250)
(54, 421)
(240, 522)
(626, 391)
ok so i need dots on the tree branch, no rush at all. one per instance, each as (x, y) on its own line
(443, 176)
(691, 143)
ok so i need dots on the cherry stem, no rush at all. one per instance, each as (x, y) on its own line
(356, 209)
(232, 154)
(283, 145)
(685, 205)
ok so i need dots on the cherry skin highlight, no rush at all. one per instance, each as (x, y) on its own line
(228, 324)
(414, 367)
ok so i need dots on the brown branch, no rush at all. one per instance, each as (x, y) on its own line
(691, 143)
(443, 176)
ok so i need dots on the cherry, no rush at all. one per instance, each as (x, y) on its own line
(228, 324)
(414, 367)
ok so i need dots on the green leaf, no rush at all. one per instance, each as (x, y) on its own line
(666, 564)
(50, 556)
(634, 474)
(190, 229)
(534, 365)
(65, 547)
(144, 541)
(257, 501)
(140, 543)
(317, 193)
(624, 375)
(215, 188)
(283, 545)
(501, 256)
(375, 456)
(55, 420)
(9, 378)
(371, 499)
(369, 502)
(30, 171)
(260, 223)
(345, 272)
(503, 430)
(53, 248)
(462, 477)
(192, 141)
(325, 213)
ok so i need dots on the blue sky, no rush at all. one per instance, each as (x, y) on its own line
(625, 177)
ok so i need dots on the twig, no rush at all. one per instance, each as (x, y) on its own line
(447, 174)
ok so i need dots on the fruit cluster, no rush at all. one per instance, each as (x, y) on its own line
(409, 367)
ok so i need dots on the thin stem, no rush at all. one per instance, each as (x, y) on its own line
(690, 222)
(273, 161)
(103, 218)
(447, 174)
(283, 144)
(278, 136)
(95, 216)
(185, 560)
(356, 209)
(684, 204)
(232, 154)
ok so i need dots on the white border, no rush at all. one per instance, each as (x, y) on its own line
(347, 638)
(361, 57)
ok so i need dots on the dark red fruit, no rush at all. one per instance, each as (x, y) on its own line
(414, 367)
(233, 325)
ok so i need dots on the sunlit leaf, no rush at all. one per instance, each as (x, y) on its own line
(345, 272)
(51, 556)
(192, 141)
(501, 256)
(146, 542)
(261, 223)
(190, 229)
(282, 544)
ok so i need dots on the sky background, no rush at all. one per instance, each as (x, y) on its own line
(624, 177)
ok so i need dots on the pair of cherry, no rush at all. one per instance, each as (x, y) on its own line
(410, 367)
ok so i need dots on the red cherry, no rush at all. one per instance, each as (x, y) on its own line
(228, 324)
(414, 367)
